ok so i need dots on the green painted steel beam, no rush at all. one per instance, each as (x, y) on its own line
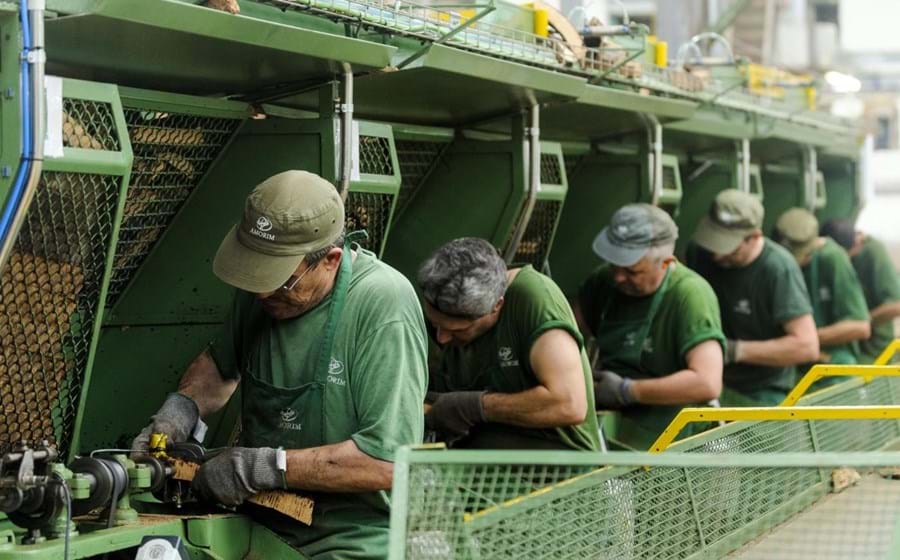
(729, 15)
(666, 107)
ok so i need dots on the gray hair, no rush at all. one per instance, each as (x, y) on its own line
(463, 278)
(312, 259)
(660, 252)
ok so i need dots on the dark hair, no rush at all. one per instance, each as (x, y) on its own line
(463, 278)
(842, 231)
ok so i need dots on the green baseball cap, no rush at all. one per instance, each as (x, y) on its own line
(732, 216)
(286, 217)
(632, 231)
(798, 230)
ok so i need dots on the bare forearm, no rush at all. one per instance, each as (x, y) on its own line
(535, 408)
(682, 387)
(339, 467)
(885, 312)
(203, 383)
(843, 332)
(787, 350)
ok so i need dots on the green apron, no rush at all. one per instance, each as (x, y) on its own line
(839, 355)
(295, 418)
(622, 343)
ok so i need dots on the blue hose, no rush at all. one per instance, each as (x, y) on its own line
(18, 188)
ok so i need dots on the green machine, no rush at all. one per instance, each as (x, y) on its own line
(434, 123)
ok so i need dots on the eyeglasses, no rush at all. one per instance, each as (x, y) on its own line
(294, 279)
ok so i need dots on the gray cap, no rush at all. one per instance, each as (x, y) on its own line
(732, 216)
(632, 231)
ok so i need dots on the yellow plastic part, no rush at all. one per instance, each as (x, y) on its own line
(158, 445)
(779, 413)
(541, 22)
(661, 54)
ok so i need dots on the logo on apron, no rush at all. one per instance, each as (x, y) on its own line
(288, 415)
(335, 369)
(647, 348)
(630, 339)
(506, 357)
(825, 293)
(743, 307)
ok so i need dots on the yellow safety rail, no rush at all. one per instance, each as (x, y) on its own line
(780, 413)
(817, 372)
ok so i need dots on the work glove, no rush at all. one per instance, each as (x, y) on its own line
(177, 418)
(731, 351)
(454, 414)
(611, 390)
(236, 474)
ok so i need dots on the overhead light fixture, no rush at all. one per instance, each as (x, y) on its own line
(842, 83)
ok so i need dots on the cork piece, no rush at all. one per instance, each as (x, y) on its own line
(230, 6)
(291, 504)
(841, 479)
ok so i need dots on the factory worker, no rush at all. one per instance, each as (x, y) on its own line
(656, 325)
(766, 314)
(879, 280)
(330, 348)
(838, 304)
(512, 369)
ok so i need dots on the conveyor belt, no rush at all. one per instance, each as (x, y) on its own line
(858, 523)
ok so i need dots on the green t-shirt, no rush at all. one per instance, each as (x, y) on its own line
(880, 284)
(499, 361)
(373, 393)
(836, 296)
(756, 301)
(688, 314)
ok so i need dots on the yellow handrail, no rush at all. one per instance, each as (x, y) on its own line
(782, 413)
(819, 371)
(888, 354)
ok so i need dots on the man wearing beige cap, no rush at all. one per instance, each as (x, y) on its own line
(656, 325)
(838, 304)
(766, 313)
(330, 348)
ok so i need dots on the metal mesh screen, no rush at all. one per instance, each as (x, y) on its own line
(862, 435)
(172, 153)
(571, 161)
(50, 291)
(416, 160)
(371, 212)
(668, 177)
(551, 173)
(375, 155)
(478, 507)
(89, 125)
(535, 245)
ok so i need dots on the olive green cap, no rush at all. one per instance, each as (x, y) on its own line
(286, 217)
(632, 231)
(732, 216)
(798, 230)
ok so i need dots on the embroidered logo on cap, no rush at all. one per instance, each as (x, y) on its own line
(263, 225)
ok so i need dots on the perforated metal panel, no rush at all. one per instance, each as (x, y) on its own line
(416, 159)
(371, 212)
(172, 153)
(537, 240)
(50, 290)
(375, 155)
(89, 125)
(571, 162)
(551, 173)
(670, 181)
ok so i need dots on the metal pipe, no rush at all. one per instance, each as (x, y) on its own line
(36, 58)
(743, 146)
(346, 109)
(654, 155)
(811, 166)
(534, 180)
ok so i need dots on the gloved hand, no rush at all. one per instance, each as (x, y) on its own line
(731, 351)
(454, 414)
(238, 473)
(611, 390)
(177, 418)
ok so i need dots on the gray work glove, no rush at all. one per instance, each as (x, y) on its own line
(453, 414)
(238, 473)
(611, 390)
(731, 351)
(177, 418)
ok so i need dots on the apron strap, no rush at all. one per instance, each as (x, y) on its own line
(338, 296)
(815, 297)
